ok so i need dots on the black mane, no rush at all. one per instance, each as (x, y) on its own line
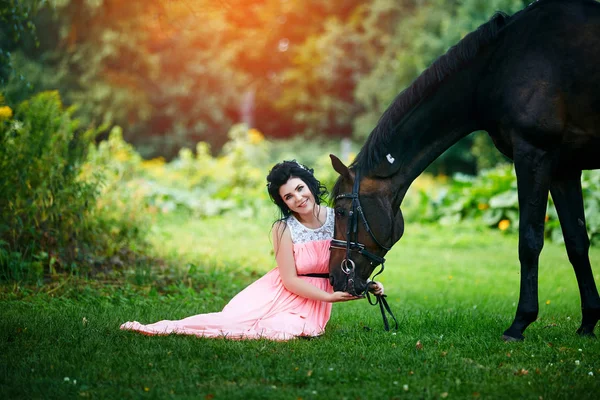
(457, 56)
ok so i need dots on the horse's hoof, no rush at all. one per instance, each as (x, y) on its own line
(507, 338)
(585, 333)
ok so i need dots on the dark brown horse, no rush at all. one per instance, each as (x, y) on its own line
(532, 81)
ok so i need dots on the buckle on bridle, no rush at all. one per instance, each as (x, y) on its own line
(345, 268)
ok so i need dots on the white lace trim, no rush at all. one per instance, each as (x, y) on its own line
(302, 234)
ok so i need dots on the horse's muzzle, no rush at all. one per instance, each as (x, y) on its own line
(356, 286)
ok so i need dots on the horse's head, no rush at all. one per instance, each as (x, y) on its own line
(366, 227)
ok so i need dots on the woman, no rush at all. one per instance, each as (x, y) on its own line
(292, 300)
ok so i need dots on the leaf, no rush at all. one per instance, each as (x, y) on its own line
(509, 198)
(491, 216)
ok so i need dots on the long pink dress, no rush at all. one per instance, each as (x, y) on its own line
(266, 309)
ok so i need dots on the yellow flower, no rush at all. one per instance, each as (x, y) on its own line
(255, 136)
(122, 155)
(154, 162)
(547, 301)
(5, 112)
(483, 206)
(504, 224)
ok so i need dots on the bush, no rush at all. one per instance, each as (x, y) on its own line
(204, 185)
(491, 198)
(120, 218)
(43, 203)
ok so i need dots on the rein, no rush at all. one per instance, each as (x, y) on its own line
(351, 244)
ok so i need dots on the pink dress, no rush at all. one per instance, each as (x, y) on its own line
(266, 309)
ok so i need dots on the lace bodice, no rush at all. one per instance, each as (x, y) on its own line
(302, 234)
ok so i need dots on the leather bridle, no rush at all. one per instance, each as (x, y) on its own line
(351, 244)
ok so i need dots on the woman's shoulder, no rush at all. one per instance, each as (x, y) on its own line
(280, 231)
(280, 226)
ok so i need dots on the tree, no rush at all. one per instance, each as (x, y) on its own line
(15, 22)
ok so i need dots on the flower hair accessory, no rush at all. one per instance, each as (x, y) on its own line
(302, 166)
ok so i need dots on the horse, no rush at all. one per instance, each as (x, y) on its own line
(532, 82)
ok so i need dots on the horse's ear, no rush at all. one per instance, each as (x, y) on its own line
(339, 166)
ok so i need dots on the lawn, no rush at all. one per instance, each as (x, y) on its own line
(453, 289)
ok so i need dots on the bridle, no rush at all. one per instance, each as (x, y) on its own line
(351, 244)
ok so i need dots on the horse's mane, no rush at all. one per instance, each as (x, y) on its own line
(457, 56)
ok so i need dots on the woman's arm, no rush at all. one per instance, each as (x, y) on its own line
(284, 254)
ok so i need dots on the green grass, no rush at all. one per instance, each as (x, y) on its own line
(454, 290)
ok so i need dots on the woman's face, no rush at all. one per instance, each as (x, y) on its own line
(297, 196)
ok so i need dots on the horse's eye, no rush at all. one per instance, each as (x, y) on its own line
(340, 211)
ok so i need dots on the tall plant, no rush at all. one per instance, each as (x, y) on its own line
(43, 204)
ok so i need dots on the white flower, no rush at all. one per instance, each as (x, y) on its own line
(590, 373)
(577, 362)
(66, 379)
(405, 387)
(395, 382)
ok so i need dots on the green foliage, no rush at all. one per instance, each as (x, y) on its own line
(198, 183)
(484, 152)
(64, 202)
(322, 69)
(119, 218)
(489, 197)
(15, 22)
(492, 199)
(43, 204)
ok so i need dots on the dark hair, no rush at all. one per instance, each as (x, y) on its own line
(282, 172)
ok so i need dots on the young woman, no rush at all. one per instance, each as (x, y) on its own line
(292, 300)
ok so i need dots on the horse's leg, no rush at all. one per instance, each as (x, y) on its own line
(567, 197)
(533, 170)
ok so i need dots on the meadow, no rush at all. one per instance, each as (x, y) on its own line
(453, 289)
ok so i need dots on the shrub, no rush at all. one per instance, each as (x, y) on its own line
(205, 185)
(121, 217)
(491, 198)
(43, 203)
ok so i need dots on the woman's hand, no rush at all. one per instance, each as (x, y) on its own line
(376, 288)
(337, 297)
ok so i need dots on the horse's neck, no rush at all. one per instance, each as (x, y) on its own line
(433, 126)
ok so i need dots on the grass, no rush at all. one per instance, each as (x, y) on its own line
(454, 291)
